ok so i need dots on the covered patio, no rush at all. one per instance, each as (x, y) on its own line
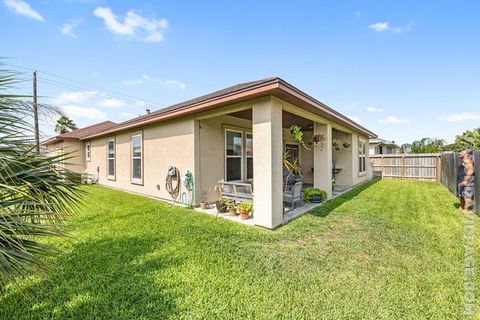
(246, 144)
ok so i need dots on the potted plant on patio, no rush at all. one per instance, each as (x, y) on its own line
(222, 204)
(233, 209)
(203, 202)
(314, 195)
(245, 208)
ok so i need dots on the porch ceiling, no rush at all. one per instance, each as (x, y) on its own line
(287, 119)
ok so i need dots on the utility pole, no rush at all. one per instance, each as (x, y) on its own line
(35, 112)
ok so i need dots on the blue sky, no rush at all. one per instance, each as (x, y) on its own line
(405, 69)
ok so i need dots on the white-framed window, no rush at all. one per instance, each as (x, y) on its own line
(361, 156)
(111, 158)
(233, 155)
(87, 151)
(249, 154)
(137, 154)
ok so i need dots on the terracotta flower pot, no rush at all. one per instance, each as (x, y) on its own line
(244, 215)
(203, 205)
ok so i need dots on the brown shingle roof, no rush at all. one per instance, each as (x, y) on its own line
(236, 93)
(83, 132)
(188, 103)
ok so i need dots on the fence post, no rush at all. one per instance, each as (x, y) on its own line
(476, 159)
(403, 167)
(381, 163)
(439, 167)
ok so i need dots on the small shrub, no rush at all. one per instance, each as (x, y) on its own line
(245, 206)
(308, 193)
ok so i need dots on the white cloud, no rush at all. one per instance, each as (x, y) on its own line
(23, 8)
(140, 103)
(379, 26)
(458, 117)
(385, 26)
(394, 120)
(94, 74)
(75, 97)
(142, 79)
(373, 109)
(67, 28)
(174, 84)
(408, 27)
(133, 25)
(75, 111)
(112, 103)
(355, 118)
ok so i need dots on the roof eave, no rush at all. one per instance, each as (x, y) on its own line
(267, 88)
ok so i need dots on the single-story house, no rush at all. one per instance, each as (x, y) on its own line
(377, 146)
(235, 134)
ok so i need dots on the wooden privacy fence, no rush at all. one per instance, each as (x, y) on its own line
(450, 165)
(425, 166)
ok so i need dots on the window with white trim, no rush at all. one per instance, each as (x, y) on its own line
(111, 158)
(137, 152)
(233, 155)
(249, 154)
(361, 156)
(87, 151)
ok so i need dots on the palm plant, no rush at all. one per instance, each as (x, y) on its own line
(36, 195)
(64, 124)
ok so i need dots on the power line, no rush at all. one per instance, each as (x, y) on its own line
(117, 95)
(88, 90)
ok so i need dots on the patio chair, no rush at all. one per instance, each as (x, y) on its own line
(293, 195)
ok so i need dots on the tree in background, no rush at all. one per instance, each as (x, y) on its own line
(64, 124)
(36, 195)
(468, 139)
(406, 148)
(428, 145)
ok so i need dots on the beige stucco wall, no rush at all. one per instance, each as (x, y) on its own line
(170, 143)
(360, 177)
(211, 153)
(196, 143)
(73, 151)
(343, 159)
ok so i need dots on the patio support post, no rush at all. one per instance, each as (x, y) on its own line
(267, 163)
(322, 159)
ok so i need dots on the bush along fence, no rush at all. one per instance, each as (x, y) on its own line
(407, 166)
(449, 168)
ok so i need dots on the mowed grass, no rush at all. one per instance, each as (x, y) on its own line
(385, 250)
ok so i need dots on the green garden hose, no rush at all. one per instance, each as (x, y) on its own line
(189, 186)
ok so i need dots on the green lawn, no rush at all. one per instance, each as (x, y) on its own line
(385, 250)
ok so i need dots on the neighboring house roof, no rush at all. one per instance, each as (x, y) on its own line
(238, 93)
(378, 141)
(82, 132)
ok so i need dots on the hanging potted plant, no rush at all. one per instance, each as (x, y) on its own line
(319, 138)
(346, 144)
(297, 134)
